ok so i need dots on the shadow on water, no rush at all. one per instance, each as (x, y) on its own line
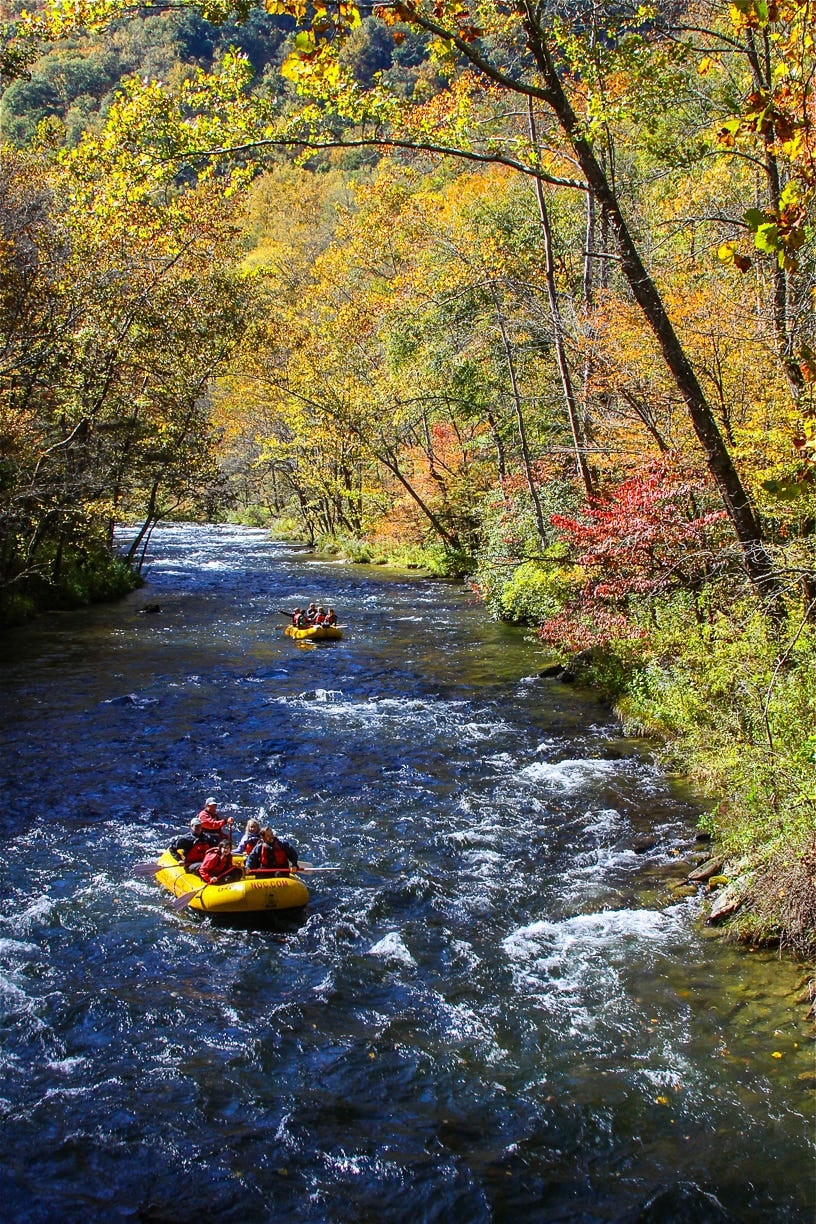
(502, 1007)
(281, 925)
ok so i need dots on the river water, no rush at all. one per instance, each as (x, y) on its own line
(501, 1008)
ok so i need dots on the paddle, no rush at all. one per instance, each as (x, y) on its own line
(149, 869)
(145, 869)
(180, 902)
(268, 871)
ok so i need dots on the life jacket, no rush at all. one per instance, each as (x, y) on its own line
(195, 849)
(267, 857)
(214, 865)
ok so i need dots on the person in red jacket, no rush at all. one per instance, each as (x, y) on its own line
(211, 821)
(271, 854)
(217, 866)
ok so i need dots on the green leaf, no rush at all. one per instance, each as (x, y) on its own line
(767, 238)
(786, 489)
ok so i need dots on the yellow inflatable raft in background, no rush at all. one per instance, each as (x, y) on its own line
(252, 895)
(315, 633)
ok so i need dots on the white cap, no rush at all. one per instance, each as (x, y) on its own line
(211, 803)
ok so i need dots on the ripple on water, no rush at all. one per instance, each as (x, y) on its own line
(485, 1015)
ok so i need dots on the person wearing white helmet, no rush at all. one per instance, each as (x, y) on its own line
(192, 847)
(212, 822)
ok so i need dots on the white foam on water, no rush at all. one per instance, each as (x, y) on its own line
(576, 976)
(500, 760)
(591, 868)
(67, 1066)
(13, 1000)
(558, 944)
(603, 822)
(477, 732)
(546, 745)
(464, 953)
(459, 1024)
(569, 776)
(325, 695)
(391, 948)
(483, 862)
(34, 915)
(343, 1165)
(10, 948)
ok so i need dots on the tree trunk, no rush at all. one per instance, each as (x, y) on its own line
(393, 467)
(762, 75)
(522, 430)
(558, 329)
(746, 526)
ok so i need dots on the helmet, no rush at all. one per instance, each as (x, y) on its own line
(195, 823)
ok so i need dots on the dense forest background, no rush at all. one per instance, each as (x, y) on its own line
(523, 295)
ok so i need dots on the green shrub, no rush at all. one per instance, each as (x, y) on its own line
(251, 516)
(736, 707)
(82, 576)
(536, 590)
(510, 540)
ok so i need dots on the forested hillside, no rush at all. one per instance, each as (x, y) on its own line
(524, 295)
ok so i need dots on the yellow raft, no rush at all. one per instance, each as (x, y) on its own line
(252, 895)
(315, 633)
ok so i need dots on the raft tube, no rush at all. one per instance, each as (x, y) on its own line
(316, 633)
(251, 895)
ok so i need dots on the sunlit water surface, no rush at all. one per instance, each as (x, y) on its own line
(501, 1008)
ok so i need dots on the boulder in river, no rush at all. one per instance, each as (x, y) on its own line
(711, 867)
(729, 900)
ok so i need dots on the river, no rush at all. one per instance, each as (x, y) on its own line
(501, 1008)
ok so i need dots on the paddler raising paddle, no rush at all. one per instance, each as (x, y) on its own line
(210, 820)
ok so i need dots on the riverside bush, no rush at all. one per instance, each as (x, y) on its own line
(433, 558)
(251, 516)
(83, 576)
(735, 707)
(516, 572)
(537, 590)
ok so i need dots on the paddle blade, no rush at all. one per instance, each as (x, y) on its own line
(184, 900)
(145, 869)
